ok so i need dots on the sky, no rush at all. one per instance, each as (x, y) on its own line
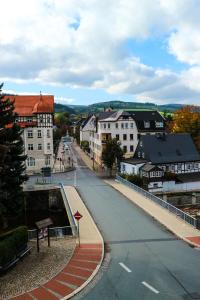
(87, 51)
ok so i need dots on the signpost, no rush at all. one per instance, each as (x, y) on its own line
(78, 216)
(43, 230)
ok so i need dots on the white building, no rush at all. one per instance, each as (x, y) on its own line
(159, 156)
(35, 116)
(125, 126)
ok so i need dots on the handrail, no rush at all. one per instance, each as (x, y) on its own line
(171, 208)
(69, 211)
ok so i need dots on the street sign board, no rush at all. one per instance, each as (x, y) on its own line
(77, 215)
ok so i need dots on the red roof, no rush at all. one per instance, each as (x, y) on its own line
(26, 105)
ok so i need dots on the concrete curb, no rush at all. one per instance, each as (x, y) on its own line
(159, 221)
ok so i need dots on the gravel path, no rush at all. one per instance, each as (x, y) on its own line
(35, 269)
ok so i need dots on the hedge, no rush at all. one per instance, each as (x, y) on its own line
(12, 243)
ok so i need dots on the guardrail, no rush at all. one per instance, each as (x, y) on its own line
(57, 232)
(68, 210)
(179, 213)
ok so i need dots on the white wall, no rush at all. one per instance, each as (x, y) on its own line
(129, 168)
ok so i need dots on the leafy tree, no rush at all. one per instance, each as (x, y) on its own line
(85, 146)
(12, 172)
(187, 119)
(112, 154)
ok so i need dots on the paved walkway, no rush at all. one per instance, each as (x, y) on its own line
(174, 224)
(63, 159)
(84, 263)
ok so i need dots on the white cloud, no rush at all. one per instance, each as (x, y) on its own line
(64, 100)
(79, 44)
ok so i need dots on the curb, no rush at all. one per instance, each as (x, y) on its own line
(191, 244)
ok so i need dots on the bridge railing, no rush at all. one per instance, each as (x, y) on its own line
(179, 213)
(56, 232)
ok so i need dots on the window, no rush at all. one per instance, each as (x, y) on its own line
(31, 161)
(39, 133)
(116, 125)
(140, 143)
(139, 154)
(123, 167)
(39, 146)
(131, 148)
(48, 133)
(124, 137)
(131, 137)
(142, 154)
(48, 146)
(196, 165)
(41, 119)
(131, 125)
(117, 137)
(30, 134)
(29, 119)
(122, 125)
(48, 120)
(104, 125)
(30, 146)
(125, 149)
(159, 124)
(108, 125)
(47, 160)
(126, 125)
(146, 124)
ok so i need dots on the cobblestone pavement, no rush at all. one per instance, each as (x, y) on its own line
(36, 269)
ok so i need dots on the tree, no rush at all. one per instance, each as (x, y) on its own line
(112, 154)
(187, 119)
(85, 146)
(12, 173)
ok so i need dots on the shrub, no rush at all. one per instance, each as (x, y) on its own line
(136, 179)
(85, 146)
(11, 243)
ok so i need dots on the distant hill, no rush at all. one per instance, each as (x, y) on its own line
(62, 108)
(116, 105)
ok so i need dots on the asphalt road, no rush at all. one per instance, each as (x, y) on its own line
(147, 262)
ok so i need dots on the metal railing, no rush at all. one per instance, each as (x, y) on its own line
(68, 210)
(179, 213)
(56, 232)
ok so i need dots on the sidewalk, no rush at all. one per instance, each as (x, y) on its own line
(176, 225)
(89, 162)
(84, 263)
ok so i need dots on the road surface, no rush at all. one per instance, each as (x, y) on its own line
(147, 262)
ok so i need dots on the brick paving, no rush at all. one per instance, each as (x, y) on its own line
(81, 266)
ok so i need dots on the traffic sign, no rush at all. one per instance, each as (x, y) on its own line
(77, 215)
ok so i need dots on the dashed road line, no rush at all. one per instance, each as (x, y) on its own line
(125, 267)
(150, 287)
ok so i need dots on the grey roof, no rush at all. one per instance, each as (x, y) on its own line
(146, 115)
(141, 116)
(134, 161)
(105, 114)
(148, 167)
(169, 148)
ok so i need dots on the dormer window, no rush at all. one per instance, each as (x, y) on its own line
(146, 124)
(159, 124)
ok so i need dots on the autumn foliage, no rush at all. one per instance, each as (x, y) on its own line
(187, 120)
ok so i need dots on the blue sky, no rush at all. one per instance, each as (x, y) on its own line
(90, 51)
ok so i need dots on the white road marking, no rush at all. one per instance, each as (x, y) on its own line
(125, 267)
(150, 287)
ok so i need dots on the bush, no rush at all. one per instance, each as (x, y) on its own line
(11, 243)
(85, 146)
(135, 179)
